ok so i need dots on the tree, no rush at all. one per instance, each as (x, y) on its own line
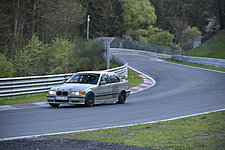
(106, 17)
(217, 7)
(176, 15)
(59, 54)
(137, 15)
(31, 59)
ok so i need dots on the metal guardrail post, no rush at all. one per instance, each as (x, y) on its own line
(108, 52)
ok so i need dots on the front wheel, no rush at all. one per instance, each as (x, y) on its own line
(54, 105)
(122, 98)
(90, 99)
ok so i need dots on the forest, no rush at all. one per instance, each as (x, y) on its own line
(41, 37)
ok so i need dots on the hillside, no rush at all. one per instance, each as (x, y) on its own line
(214, 47)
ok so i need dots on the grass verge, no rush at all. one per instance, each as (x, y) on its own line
(24, 99)
(213, 48)
(133, 78)
(195, 65)
(198, 132)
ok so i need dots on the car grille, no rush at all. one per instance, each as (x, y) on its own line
(60, 93)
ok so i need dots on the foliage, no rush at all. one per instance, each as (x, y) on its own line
(19, 20)
(157, 36)
(138, 14)
(58, 56)
(6, 67)
(189, 33)
(176, 15)
(31, 59)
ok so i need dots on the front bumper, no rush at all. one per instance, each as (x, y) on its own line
(127, 93)
(66, 100)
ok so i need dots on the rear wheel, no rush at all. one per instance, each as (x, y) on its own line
(90, 99)
(54, 105)
(122, 98)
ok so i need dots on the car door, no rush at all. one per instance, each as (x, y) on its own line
(104, 90)
(115, 85)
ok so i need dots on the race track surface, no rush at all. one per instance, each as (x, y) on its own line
(179, 91)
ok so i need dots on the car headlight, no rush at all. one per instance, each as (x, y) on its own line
(77, 93)
(51, 92)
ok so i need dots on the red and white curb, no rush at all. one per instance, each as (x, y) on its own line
(25, 105)
(148, 83)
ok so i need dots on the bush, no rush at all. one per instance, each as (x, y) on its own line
(6, 67)
(189, 33)
(157, 36)
(60, 56)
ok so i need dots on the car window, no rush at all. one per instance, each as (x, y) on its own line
(113, 78)
(105, 78)
(84, 78)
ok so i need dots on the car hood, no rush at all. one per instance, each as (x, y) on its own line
(72, 87)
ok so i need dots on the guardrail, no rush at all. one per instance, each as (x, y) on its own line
(201, 60)
(137, 45)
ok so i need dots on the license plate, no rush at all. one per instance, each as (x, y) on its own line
(61, 98)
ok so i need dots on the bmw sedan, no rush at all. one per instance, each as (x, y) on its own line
(90, 88)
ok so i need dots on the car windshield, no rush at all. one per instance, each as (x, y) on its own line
(84, 78)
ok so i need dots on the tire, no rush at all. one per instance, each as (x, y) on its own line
(54, 105)
(121, 97)
(90, 99)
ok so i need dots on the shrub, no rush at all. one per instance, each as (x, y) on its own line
(6, 67)
(59, 56)
(189, 33)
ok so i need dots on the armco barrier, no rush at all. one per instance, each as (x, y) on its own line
(200, 60)
(137, 45)
(138, 52)
(37, 84)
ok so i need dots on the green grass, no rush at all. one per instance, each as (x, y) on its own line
(133, 77)
(199, 132)
(213, 48)
(195, 65)
(24, 99)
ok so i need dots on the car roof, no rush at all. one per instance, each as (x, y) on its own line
(96, 72)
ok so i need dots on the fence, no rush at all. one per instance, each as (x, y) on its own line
(128, 44)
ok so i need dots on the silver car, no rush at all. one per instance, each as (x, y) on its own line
(90, 88)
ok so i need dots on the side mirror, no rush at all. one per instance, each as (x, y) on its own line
(102, 82)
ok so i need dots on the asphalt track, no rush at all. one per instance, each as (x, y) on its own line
(179, 91)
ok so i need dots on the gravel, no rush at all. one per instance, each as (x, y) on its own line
(44, 143)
